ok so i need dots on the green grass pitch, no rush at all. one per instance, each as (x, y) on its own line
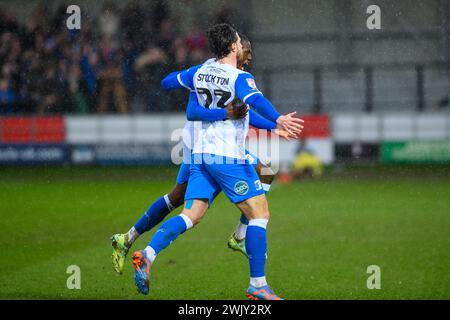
(322, 236)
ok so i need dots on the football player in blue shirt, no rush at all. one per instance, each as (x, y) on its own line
(158, 210)
(219, 162)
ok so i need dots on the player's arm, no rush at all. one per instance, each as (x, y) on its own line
(196, 112)
(247, 91)
(180, 79)
(170, 82)
(260, 122)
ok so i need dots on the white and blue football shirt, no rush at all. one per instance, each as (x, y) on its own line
(216, 85)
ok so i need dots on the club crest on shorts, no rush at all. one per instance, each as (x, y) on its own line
(241, 187)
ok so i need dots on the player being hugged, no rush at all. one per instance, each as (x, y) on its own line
(219, 161)
(159, 209)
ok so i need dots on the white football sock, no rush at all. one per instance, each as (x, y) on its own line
(168, 203)
(187, 221)
(131, 237)
(240, 231)
(258, 282)
(262, 223)
(151, 254)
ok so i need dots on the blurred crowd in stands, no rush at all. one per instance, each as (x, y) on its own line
(113, 64)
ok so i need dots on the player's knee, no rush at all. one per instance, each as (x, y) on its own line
(195, 218)
(264, 214)
(176, 196)
(195, 210)
(196, 221)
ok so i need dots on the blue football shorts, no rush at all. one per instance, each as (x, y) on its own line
(211, 174)
(185, 168)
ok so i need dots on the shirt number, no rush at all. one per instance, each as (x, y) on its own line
(224, 96)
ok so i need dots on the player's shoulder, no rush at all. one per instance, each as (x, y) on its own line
(209, 61)
(237, 73)
(245, 79)
(244, 74)
(205, 64)
(193, 69)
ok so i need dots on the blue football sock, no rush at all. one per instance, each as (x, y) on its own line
(256, 246)
(154, 214)
(243, 219)
(169, 231)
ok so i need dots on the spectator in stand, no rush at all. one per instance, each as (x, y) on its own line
(79, 102)
(166, 36)
(132, 22)
(7, 97)
(7, 22)
(50, 93)
(224, 14)
(130, 54)
(49, 69)
(89, 64)
(161, 12)
(150, 66)
(33, 81)
(110, 77)
(10, 60)
(180, 54)
(197, 44)
(109, 21)
(227, 14)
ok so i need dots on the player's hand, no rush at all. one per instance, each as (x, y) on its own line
(284, 134)
(291, 124)
(236, 110)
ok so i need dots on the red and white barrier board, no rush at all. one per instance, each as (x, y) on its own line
(316, 138)
(148, 132)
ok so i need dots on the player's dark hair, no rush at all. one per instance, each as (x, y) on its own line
(221, 36)
(244, 40)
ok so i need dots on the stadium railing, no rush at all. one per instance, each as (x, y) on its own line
(332, 88)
